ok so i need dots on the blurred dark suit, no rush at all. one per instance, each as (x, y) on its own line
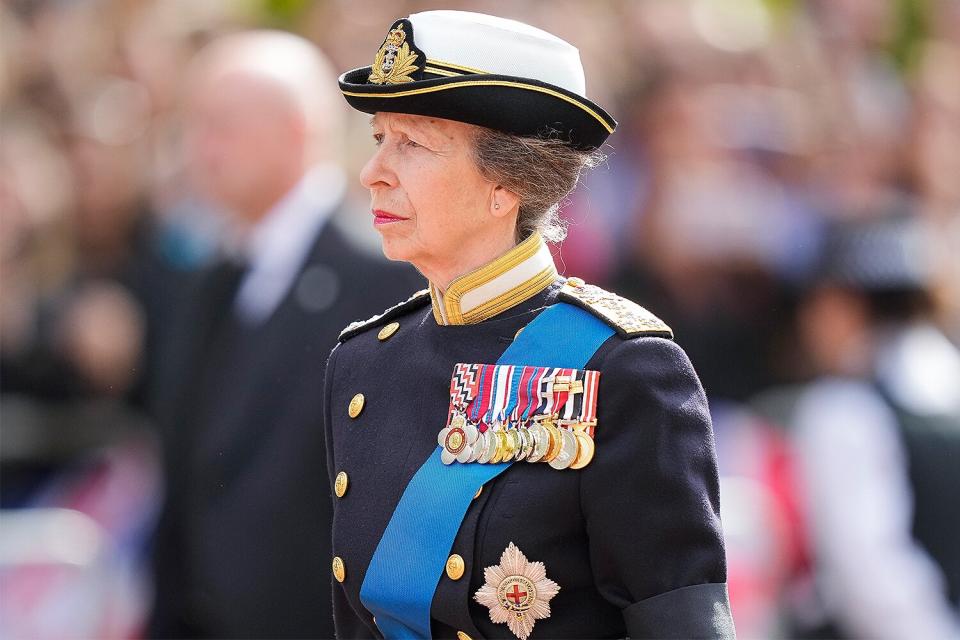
(243, 545)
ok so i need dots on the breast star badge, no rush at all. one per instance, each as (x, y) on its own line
(517, 592)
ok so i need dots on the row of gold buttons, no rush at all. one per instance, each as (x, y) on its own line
(456, 566)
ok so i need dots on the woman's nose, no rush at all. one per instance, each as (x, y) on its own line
(376, 172)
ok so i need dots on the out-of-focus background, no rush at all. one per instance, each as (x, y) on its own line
(783, 189)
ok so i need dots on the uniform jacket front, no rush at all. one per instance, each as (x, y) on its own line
(633, 539)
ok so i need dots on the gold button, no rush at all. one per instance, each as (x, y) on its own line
(356, 405)
(576, 283)
(462, 636)
(479, 491)
(340, 484)
(388, 331)
(339, 571)
(455, 567)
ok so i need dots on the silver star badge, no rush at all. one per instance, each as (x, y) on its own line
(517, 592)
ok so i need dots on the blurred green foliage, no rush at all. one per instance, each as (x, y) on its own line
(913, 26)
(282, 14)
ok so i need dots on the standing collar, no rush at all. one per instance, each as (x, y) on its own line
(514, 277)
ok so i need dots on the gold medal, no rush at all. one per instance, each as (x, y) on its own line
(501, 449)
(585, 454)
(555, 441)
(513, 445)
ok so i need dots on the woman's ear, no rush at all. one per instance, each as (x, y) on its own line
(503, 201)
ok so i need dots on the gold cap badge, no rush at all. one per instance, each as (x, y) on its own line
(395, 61)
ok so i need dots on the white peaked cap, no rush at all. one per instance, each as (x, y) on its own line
(484, 70)
(499, 46)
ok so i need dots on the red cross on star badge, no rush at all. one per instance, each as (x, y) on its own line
(517, 592)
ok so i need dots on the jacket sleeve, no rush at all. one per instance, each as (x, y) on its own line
(650, 497)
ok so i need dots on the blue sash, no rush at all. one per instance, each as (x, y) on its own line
(410, 558)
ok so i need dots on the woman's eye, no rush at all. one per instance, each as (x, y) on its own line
(378, 139)
(412, 143)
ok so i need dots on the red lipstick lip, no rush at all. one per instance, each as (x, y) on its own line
(385, 217)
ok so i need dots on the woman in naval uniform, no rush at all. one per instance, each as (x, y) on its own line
(512, 454)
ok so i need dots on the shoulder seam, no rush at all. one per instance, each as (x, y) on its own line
(414, 301)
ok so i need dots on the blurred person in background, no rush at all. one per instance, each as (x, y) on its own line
(712, 236)
(243, 543)
(83, 304)
(877, 438)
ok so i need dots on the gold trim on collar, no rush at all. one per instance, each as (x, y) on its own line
(530, 254)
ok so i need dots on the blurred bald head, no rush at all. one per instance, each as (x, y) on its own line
(262, 107)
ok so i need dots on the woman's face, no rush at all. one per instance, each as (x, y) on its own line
(429, 201)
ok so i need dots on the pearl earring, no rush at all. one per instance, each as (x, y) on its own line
(496, 205)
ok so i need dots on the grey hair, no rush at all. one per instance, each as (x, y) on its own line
(541, 170)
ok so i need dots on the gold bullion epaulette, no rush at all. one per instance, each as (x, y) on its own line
(628, 318)
(418, 299)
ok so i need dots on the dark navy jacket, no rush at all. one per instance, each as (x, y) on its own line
(242, 544)
(633, 539)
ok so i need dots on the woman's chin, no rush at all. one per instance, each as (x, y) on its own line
(394, 249)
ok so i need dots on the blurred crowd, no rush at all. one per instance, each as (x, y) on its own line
(783, 189)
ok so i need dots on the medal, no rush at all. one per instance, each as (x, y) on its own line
(479, 447)
(541, 443)
(457, 440)
(501, 448)
(506, 413)
(568, 450)
(555, 441)
(513, 445)
(490, 447)
(524, 449)
(517, 592)
(585, 451)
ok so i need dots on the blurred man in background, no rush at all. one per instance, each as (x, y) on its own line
(243, 545)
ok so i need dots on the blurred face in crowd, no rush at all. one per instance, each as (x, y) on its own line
(246, 141)
(429, 201)
(107, 202)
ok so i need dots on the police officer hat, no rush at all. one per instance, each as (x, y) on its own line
(483, 70)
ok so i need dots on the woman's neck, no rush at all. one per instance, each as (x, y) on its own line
(464, 260)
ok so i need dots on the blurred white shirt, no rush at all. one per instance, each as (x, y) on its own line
(277, 246)
(875, 578)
